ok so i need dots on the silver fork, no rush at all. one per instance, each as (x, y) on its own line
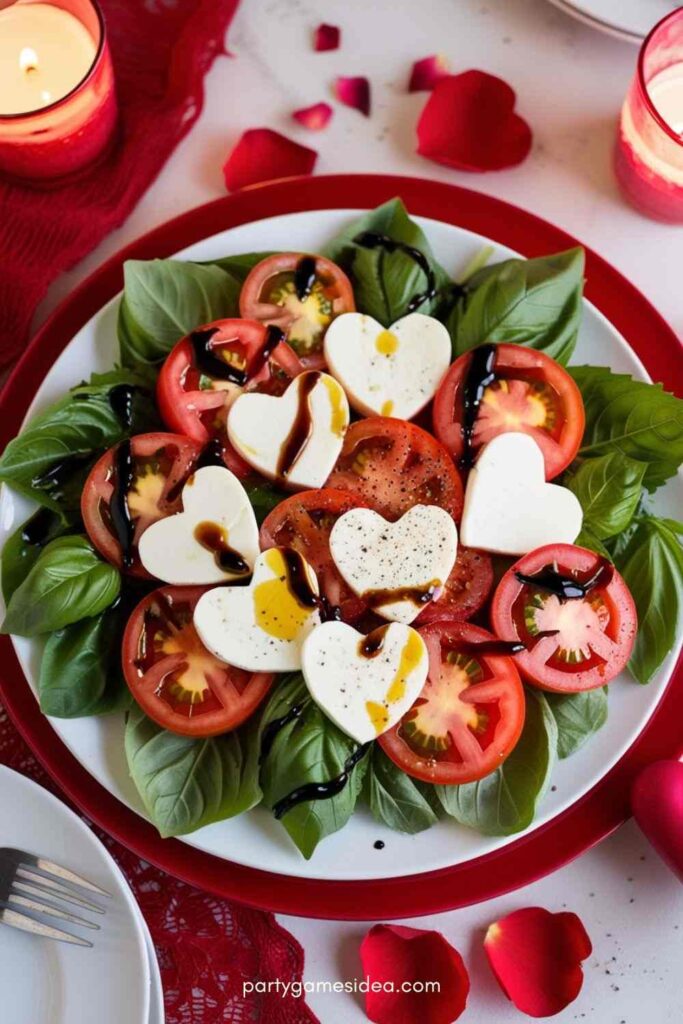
(33, 887)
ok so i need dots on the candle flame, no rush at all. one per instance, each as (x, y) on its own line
(28, 60)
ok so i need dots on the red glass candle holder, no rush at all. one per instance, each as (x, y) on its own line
(55, 143)
(649, 149)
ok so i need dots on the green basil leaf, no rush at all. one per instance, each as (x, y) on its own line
(505, 801)
(395, 799)
(163, 300)
(68, 582)
(578, 716)
(240, 266)
(20, 552)
(530, 302)
(80, 671)
(609, 489)
(186, 783)
(586, 539)
(631, 418)
(384, 283)
(652, 565)
(264, 497)
(52, 456)
(309, 749)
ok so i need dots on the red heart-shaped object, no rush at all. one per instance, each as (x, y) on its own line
(469, 123)
(657, 803)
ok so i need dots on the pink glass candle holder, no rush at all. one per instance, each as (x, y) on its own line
(649, 150)
(58, 110)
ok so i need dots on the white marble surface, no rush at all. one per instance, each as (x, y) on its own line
(570, 82)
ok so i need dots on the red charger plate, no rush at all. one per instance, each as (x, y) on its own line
(587, 821)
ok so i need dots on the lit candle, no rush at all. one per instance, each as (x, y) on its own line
(44, 53)
(57, 101)
(649, 151)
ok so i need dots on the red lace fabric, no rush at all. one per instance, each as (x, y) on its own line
(206, 947)
(161, 51)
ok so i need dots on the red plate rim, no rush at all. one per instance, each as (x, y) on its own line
(528, 858)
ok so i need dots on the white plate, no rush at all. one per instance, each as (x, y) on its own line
(256, 839)
(47, 982)
(630, 20)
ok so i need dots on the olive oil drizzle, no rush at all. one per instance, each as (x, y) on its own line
(299, 433)
(480, 375)
(321, 790)
(376, 240)
(304, 277)
(568, 588)
(124, 527)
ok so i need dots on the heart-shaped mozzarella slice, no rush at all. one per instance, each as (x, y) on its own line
(398, 567)
(509, 508)
(213, 540)
(297, 437)
(261, 628)
(364, 683)
(391, 371)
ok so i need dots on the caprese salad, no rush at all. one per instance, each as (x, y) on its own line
(340, 529)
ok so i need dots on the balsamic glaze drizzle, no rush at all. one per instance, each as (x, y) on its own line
(416, 595)
(36, 530)
(212, 536)
(304, 277)
(301, 427)
(480, 375)
(378, 844)
(273, 338)
(58, 473)
(212, 365)
(568, 588)
(375, 240)
(297, 579)
(124, 527)
(371, 645)
(273, 728)
(321, 790)
(484, 647)
(121, 401)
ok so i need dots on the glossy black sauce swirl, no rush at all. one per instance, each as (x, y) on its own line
(123, 525)
(212, 365)
(480, 375)
(273, 728)
(36, 530)
(213, 537)
(210, 455)
(568, 588)
(375, 240)
(300, 430)
(121, 401)
(321, 790)
(304, 277)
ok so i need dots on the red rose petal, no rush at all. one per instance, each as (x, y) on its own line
(536, 957)
(354, 92)
(314, 118)
(427, 72)
(469, 123)
(264, 155)
(393, 955)
(327, 37)
(657, 802)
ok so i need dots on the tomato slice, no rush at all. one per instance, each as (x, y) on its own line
(132, 486)
(301, 294)
(392, 465)
(174, 678)
(469, 714)
(304, 522)
(465, 590)
(206, 371)
(575, 643)
(531, 393)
